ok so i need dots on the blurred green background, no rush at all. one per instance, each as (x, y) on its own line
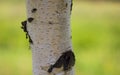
(95, 31)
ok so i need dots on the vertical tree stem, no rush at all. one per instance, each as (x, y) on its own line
(48, 26)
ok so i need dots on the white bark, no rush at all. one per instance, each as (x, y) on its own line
(50, 32)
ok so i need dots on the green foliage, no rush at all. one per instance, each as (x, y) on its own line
(95, 36)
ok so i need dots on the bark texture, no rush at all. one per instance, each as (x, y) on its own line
(48, 27)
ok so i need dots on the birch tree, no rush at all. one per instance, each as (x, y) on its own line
(48, 29)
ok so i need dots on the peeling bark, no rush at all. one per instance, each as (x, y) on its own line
(48, 25)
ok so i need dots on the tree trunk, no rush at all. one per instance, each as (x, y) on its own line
(48, 30)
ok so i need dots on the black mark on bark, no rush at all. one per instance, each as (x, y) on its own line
(24, 23)
(50, 22)
(24, 27)
(66, 5)
(57, 12)
(71, 5)
(67, 60)
(30, 40)
(33, 10)
(30, 19)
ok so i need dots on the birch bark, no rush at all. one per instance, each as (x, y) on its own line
(48, 27)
